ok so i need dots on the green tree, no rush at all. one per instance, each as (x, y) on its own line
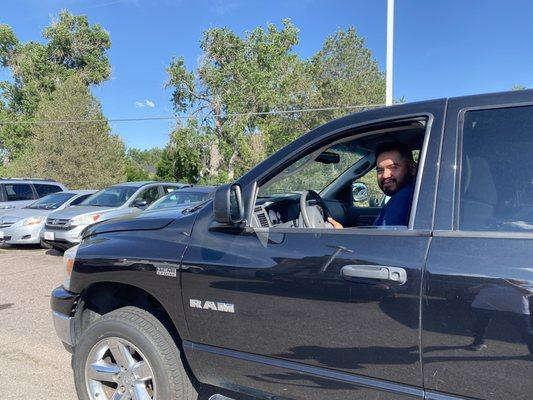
(73, 47)
(236, 75)
(241, 84)
(185, 155)
(81, 154)
(341, 74)
(141, 164)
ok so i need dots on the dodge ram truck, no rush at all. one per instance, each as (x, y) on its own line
(254, 293)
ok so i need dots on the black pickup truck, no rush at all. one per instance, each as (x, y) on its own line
(254, 294)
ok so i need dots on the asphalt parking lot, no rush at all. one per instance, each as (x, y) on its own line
(34, 363)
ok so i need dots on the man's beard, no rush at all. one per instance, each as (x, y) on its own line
(399, 185)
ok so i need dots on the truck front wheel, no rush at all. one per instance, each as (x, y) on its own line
(128, 354)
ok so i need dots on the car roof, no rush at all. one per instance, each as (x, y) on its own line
(201, 189)
(28, 180)
(139, 184)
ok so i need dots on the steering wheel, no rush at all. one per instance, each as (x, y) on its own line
(314, 210)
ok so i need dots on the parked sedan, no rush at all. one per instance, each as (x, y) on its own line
(63, 228)
(24, 225)
(185, 198)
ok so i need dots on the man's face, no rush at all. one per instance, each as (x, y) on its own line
(394, 172)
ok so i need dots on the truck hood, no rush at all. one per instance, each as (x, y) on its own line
(139, 222)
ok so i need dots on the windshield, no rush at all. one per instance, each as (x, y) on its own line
(114, 196)
(52, 201)
(180, 199)
(310, 173)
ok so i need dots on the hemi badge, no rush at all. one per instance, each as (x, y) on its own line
(166, 271)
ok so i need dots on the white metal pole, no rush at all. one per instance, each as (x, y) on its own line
(390, 40)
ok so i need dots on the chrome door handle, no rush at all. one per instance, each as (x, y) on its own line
(378, 272)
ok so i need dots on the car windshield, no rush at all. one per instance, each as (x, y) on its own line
(51, 202)
(180, 199)
(314, 171)
(114, 196)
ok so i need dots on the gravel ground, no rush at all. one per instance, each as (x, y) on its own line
(34, 363)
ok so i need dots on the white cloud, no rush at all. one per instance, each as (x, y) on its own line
(145, 103)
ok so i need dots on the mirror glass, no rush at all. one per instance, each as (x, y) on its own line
(359, 192)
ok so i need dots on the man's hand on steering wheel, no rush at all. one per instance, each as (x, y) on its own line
(308, 211)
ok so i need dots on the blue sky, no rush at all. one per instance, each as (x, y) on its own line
(442, 48)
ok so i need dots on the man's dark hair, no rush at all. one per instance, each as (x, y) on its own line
(402, 148)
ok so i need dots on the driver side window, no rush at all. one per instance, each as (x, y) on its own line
(364, 181)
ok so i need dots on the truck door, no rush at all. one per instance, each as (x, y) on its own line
(314, 313)
(477, 337)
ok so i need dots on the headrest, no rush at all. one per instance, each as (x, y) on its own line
(478, 181)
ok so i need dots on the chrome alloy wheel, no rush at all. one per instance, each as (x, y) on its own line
(117, 370)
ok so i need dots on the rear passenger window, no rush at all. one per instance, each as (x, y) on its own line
(43, 190)
(496, 184)
(18, 191)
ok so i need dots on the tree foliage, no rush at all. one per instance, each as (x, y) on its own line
(183, 157)
(81, 154)
(73, 47)
(141, 165)
(240, 84)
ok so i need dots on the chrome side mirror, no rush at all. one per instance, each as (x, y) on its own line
(359, 192)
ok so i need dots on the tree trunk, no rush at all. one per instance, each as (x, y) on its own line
(231, 166)
(214, 158)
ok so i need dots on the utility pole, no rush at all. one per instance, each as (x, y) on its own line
(390, 41)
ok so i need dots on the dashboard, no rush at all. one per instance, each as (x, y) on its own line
(284, 211)
(277, 211)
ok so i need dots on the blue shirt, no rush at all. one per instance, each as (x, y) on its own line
(396, 211)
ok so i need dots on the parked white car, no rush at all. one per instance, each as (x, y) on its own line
(24, 225)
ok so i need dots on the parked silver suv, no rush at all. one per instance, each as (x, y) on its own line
(20, 192)
(62, 229)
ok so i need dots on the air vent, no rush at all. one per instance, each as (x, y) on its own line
(263, 220)
(262, 217)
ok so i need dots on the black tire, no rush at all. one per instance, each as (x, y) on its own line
(45, 245)
(147, 340)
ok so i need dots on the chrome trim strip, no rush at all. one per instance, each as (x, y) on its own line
(441, 396)
(484, 234)
(371, 231)
(316, 371)
(63, 327)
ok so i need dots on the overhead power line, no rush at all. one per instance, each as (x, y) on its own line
(170, 118)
